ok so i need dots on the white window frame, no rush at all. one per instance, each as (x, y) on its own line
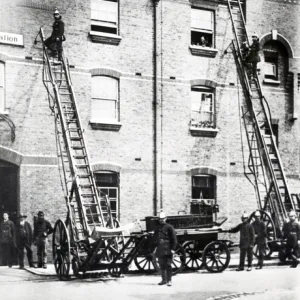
(199, 27)
(2, 87)
(202, 110)
(105, 14)
(110, 97)
(100, 189)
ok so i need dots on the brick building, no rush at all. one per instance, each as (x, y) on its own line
(167, 126)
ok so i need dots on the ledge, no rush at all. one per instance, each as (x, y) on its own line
(201, 131)
(271, 81)
(203, 51)
(105, 125)
(5, 112)
(105, 38)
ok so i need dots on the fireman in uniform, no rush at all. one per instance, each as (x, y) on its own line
(247, 238)
(291, 234)
(165, 241)
(54, 42)
(260, 238)
(253, 56)
(42, 228)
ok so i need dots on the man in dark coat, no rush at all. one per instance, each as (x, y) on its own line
(253, 56)
(260, 238)
(24, 240)
(7, 240)
(291, 233)
(42, 228)
(165, 241)
(247, 238)
(54, 42)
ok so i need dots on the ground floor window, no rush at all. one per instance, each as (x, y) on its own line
(108, 185)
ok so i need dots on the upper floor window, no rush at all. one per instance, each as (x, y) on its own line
(202, 107)
(271, 65)
(2, 87)
(202, 27)
(104, 16)
(105, 99)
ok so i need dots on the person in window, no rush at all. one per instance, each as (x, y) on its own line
(7, 240)
(291, 235)
(165, 242)
(253, 56)
(247, 238)
(54, 42)
(203, 42)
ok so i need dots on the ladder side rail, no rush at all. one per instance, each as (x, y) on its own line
(234, 29)
(69, 83)
(244, 21)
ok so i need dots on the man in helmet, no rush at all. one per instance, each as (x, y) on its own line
(54, 42)
(253, 56)
(260, 238)
(291, 233)
(247, 238)
(165, 241)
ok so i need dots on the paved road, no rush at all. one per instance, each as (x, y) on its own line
(272, 283)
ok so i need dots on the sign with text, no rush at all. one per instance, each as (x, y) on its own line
(11, 39)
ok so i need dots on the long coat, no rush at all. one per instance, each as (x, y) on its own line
(247, 235)
(7, 232)
(24, 234)
(254, 52)
(58, 30)
(260, 232)
(291, 232)
(165, 239)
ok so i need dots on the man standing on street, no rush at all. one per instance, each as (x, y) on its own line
(42, 228)
(166, 241)
(291, 233)
(247, 238)
(260, 238)
(24, 241)
(7, 240)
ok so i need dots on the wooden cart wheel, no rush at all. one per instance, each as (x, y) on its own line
(178, 262)
(216, 257)
(61, 250)
(271, 231)
(193, 256)
(144, 262)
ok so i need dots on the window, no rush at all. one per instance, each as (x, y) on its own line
(2, 87)
(271, 67)
(108, 185)
(202, 27)
(104, 16)
(104, 105)
(202, 107)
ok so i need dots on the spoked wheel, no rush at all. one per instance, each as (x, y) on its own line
(61, 250)
(193, 256)
(178, 262)
(216, 257)
(271, 231)
(144, 262)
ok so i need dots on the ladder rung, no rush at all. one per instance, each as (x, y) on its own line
(87, 195)
(75, 138)
(82, 166)
(83, 175)
(79, 156)
(77, 147)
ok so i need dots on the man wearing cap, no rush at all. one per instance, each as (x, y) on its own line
(24, 240)
(291, 233)
(247, 238)
(260, 238)
(42, 228)
(7, 240)
(54, 42)
(166, 242)
(253, 56)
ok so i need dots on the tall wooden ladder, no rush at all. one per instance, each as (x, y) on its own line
(86, 210)
(264, 163)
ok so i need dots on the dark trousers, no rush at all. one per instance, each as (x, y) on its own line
(165, 264)
(261, 253)
(291, 252)
(7, 253)
(54, 46)
(243, 252)
(21, 249)
(41, 245)
(254, 69)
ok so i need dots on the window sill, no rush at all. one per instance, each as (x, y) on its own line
(203, 51)
(5, 112)
(105, 125)
(201, 131)
(271, 81)
(105, 38)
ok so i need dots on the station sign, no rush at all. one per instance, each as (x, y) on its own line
(11, 39)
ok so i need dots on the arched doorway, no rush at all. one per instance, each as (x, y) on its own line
(9, 175)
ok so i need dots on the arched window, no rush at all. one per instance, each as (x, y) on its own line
(105, 99)
(2, 87)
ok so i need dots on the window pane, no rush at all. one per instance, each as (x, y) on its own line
(202, 19)
(106, 11)
(103, 109)
(104, 87)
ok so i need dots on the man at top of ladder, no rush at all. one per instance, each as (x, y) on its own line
(54, 42)
(253, 56)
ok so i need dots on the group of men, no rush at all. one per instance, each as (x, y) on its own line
(20, 237)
